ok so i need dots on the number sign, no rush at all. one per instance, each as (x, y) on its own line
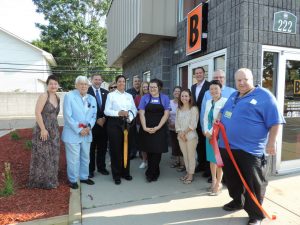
(285, 22)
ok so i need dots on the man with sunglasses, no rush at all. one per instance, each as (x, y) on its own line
(99, 144)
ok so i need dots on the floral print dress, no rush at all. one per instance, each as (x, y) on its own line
(45, 154)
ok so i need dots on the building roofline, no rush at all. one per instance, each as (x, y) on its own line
(48, 56)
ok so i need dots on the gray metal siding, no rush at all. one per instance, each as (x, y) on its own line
(129, 18)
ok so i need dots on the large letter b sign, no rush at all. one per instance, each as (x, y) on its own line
(194, 30)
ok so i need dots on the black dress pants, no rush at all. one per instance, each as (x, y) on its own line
(153, 171)
(98, 148)
(254, 170)
(116, 140)
(201, 152)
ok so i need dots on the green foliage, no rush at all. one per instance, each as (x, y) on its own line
(28, 144)
(74, 37)
(8, 188)
(15, 136)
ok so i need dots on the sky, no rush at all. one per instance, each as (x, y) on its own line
(19, 17)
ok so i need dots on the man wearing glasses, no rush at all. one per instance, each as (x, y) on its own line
(99, 143)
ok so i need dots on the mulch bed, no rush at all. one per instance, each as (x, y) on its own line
(29, 204)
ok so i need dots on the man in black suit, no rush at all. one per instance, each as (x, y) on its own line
(99, 143)
(198, 91)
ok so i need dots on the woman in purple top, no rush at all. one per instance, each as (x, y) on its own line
(154, 111)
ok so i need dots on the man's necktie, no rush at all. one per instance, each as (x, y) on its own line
(98, 98)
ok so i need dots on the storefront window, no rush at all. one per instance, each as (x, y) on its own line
(219, 63)
(185, 6)
(270, 67)
(147, 76)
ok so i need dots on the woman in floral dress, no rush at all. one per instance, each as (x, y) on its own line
(45, 141)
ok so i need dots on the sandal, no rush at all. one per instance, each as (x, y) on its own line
(216, 191)
(180, 169)
(183, 178)
(188, 181)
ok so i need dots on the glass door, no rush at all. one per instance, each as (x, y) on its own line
(289, 98)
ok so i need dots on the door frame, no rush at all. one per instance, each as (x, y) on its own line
(282, 167)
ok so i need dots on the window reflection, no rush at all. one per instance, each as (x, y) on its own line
(270, 66)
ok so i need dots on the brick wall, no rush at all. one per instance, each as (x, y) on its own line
(157, 59)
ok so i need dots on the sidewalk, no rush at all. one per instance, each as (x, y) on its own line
(168, 201)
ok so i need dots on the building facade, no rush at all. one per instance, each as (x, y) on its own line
(263, 36)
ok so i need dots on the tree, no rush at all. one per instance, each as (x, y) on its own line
(74, 36)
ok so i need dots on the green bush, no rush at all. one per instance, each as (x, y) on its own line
(28, 144)
(14, 135)
(8, 188)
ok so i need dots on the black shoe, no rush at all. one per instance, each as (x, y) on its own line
(149, 179)
(118, 181)
(73, 185)
(232, 206)
(127, 177)
(91, 175)
(103, 172)
(206, 174)
(199, 169)
(88, 181)
(209, 180)
(254, 222)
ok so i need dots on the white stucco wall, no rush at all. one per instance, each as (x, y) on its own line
(14, 51)
(21, 104)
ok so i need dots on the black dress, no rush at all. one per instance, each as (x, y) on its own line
(157, 143)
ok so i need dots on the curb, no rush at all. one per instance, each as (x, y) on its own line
(75, 206)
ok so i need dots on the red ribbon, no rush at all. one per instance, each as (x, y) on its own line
(216, 128)
(81, 125)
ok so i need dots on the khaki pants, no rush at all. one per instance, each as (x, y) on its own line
(188, 150)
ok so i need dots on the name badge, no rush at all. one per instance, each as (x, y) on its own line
(154, 100)
(228, 114)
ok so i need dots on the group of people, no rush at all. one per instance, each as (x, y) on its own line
(94, 117)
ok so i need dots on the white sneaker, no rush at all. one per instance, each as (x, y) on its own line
(143, 165)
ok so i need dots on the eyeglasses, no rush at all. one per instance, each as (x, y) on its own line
(113, 87)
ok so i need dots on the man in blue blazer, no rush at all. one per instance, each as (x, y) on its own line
(99, 144)
(79, 112)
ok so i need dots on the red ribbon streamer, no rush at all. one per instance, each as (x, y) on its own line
(216, 128)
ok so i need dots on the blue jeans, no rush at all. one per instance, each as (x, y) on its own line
(78, 159)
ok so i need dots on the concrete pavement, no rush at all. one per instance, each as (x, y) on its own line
(169, 201)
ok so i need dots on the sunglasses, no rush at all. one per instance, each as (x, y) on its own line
(114, 87)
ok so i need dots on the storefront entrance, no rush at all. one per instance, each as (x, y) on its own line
(281, 75)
